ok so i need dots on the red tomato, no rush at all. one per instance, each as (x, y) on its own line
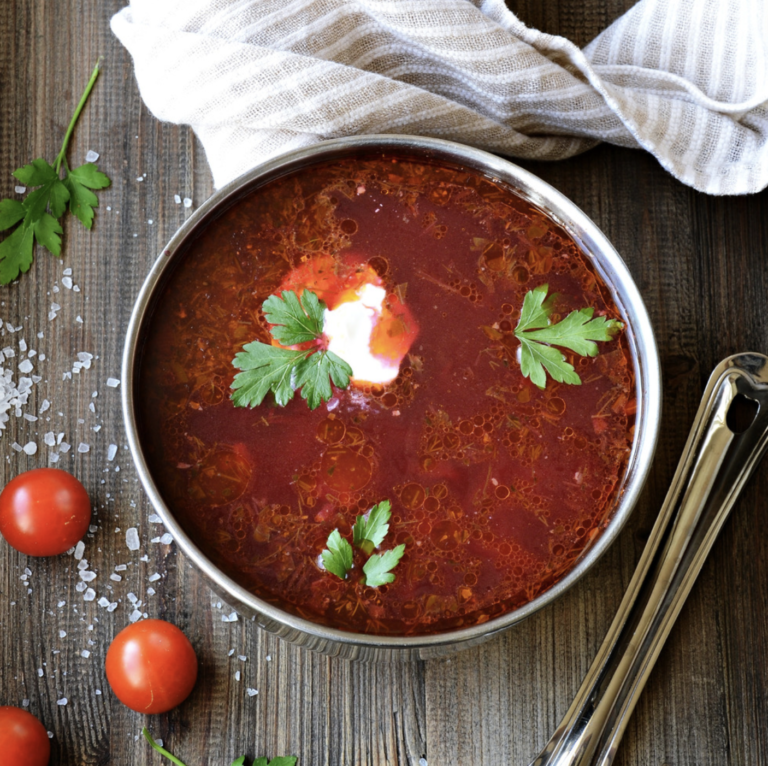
(23, 738)
(151, 666)
(44, 512)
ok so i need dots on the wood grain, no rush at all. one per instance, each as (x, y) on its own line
(700, 263)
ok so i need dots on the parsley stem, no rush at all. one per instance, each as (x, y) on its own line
(160, 749)
(73, 121)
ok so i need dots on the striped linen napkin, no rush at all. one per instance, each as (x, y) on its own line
(687, 80)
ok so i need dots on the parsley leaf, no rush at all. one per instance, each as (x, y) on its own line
(295, 320)
(265, 368)
(282, 370)
(369, 531)
(337, 559)
(53, 193)
(313, 374)
(367, 534)
(576, 332)
(281, 760)
(378, 568)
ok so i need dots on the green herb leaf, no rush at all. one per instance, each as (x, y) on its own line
(576, 332)
(281, 370)
(265, 368)
(313, 373)
(53, 193)
(337, 558)
(82, 200)
(369, 533)
(378, 568)
(239, 761)
(295, 321)
(11, 212)
(16, 253)
(39, 172)
(48, 234)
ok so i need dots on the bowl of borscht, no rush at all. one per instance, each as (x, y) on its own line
(390, 395)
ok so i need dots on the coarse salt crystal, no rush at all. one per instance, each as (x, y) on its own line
(20, 189)
(111, 452)
(63, 701)
(79, 319)
(112, 606)
(61, 604)
(140, 178)
(113, 382)
(82, 564)
(46, 405)
(87, 575)
(187, 202)
(67, 282)
(26, 366)
(251, 692)
(237, 676)
(167, 538)
(89, 595)
(30, 418)
(121, 567)
(155, 519)
(242, 657)
(80, 587)
(151, 591)
(83, 447)
(30, 448)
(135, 615)
(132, 539)
(102, 602)
(154, 578)
(85, 653)
(230, 653)
(50, 439)
(115, 577)
(232, 617)
(177, 199)
(62, 634)
(25, 703)
(40, 672)
(79, 550)
(91, 156)
(64, 447)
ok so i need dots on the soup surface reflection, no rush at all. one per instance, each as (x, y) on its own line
(496, 485)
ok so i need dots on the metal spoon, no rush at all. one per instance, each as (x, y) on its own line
(728, 438)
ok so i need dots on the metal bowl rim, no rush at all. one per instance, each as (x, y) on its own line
(554, 204)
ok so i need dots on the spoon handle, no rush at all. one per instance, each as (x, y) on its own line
(727, 440)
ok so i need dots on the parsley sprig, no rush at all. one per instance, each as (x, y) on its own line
(367, 534)
(283, 371)
(54, 192)
(576, 332)
(281, 760)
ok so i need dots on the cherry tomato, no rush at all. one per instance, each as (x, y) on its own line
(151, 666)
(44, 512)
(23, 738)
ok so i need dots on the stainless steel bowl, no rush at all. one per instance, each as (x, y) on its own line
(593, 243)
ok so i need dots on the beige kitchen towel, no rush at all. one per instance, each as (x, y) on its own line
(686, 80)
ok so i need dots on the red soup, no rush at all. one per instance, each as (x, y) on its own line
(496, 485)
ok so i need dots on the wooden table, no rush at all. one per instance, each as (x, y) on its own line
(700, 263)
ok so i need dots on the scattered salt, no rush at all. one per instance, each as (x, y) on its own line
(102, 602)
(79, 550)
(155, 519)
(85, 653)
(177, 199)
(111, 452)
(167, 538)
(62, 701)
(151, 591)
(251, 692)
(82, 447)
(242, 657)
(30, 448)
(237, 676)
(135, 615)
(187, 202)
(50, 439)
(89, 595)
(112, 606)
(62, 634)
(40, 672)
(67, 282)
(121, 567)
(154, 578)
(232, 617)
(132, 539)
(115, 577)
(64, 447)
(113, 382)
(25, 703)
(87, 576)
(26, 366)
(20, 189)
(91, 156)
